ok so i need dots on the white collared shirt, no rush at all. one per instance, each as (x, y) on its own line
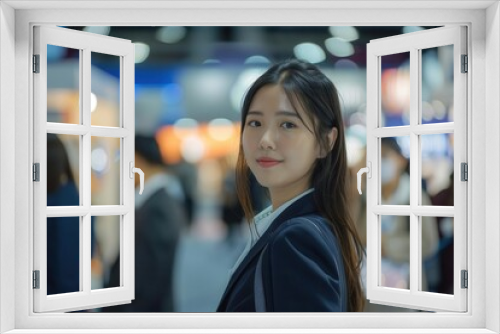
(262, 221)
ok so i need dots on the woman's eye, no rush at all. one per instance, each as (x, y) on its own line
(253, 123)
(288, 125)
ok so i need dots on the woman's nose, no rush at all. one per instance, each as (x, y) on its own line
(267, 141)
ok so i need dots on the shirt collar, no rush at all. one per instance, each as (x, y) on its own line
(264, 219)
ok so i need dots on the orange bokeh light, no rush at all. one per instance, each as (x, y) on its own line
(170, 141)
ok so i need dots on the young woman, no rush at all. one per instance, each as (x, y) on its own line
(304, 252)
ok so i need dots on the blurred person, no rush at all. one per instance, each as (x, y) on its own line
(395, 180)
(304, 253)
(160, 218)
(446, 248)
(186, 173)
(63, 233)
(395, 244)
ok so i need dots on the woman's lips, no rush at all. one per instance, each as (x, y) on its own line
(266, 162)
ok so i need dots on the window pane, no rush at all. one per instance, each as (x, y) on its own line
(105, 162)
(437, 169)
(437, 84)
(395, 94)
(63, 155)
(63, 255)
(395, 170)
(437, 255)
(105, 98)
(395, 251)
(105, 265)
(63, 83)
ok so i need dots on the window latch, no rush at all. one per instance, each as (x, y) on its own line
(133, 170)
(368, 171)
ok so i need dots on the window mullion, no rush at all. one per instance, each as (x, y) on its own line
(85, 91)
(415, 239)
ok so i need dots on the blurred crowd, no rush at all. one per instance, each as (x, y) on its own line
(190, 229)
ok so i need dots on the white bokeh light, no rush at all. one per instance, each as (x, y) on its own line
(339, 47)
(347, 33)
(141, 52)
(244, 81)
(192, 149)
(310, 52)
(257, 59)
(171, 35)
(99, 160)
(101, 30)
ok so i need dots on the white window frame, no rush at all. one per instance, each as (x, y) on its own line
(124, 51)
(483, 21)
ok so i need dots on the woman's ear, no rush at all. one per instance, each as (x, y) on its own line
(332, 138)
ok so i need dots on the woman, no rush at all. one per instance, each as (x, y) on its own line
(304, 253)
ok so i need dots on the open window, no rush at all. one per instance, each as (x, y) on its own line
(416, 137)
(73, 151)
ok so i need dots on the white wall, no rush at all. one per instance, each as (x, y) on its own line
(485, 153)
(492, 172)
(7, 58)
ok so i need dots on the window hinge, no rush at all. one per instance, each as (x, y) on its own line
(465, 64)
(464, 172)
(36, 279)
(36, 172)
(36, 63)
(465, 279)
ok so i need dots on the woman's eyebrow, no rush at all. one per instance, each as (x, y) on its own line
(287, 113)
(281, 112)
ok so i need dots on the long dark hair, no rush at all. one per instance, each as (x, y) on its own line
(306, 85)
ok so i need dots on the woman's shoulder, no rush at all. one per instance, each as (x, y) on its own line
(303, 229)
(306, 238)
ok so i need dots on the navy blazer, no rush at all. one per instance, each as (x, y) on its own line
(302, 267)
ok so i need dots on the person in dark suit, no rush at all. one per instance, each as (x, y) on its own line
(63, 233)
(304, 253)
(160, 218)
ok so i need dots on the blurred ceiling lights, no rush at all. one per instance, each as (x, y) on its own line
(171, 35)
(409, 29)
(245, 79)
(101, 30)
(310, 52)
(257, 59)
(339, 47)
(141, 52)
(347, 33)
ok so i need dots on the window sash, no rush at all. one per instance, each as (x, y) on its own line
(413, 42)
(86, 298)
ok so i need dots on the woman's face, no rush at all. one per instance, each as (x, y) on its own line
(279, 149)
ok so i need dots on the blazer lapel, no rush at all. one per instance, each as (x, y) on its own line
(303, 206)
